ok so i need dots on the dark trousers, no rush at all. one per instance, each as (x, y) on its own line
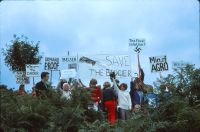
(124, 114)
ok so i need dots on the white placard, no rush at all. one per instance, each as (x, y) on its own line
(158, 63)
(100, 66)
(136, 44)
(68, 73)
(69, 62)
(179, 64)
(69, 59)
(51, 63)
(21, 77)
(32, 70)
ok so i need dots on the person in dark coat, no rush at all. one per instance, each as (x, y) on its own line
(109, 102)
(136, 90)
(41, 87)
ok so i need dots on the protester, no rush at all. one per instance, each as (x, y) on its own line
(41, 87)
(136, 93)
(21, 91)
(151, 99)
(164, 92)
(66, 91)
(116, 98)
(60, 84)
(137, 90)
(95, 94)
(124, 99)
(109, 102)
(33, 93)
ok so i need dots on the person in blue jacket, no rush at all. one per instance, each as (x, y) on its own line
(136, 89)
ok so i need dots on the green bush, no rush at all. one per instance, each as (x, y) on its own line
(178, 113)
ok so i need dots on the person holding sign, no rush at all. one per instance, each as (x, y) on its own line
(41, 87)
(137, 90)
(124, 99)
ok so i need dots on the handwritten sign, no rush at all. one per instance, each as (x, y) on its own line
(51, 63)
(179, 64)
(158, 63)
(69, 59)
(69, 73)
(100, 66)
(137, 44)
(21, 77)
(70, 62)
(32, 70)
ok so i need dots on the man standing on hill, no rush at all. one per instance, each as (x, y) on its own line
(41, 87)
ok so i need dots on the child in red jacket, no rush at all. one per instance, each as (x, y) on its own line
(95, 94)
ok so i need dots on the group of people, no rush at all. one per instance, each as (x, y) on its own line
(113, 99)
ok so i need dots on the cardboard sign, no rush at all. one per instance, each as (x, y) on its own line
(69, 62)
(158, 63)
(69, 73)
(179, 64)
(137, 44)
(32, 70)
(72, 66)
(51, 63)
(21, 77)
(100, 66)
(69, 59)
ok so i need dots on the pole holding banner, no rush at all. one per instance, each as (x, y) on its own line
(33, 81)
(51, 76)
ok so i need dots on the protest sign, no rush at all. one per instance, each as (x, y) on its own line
(68, 73)
(179, 64)
(158, 63)
(100, 66)
(70, 62)
(69, 59)
(51, 63)
(21, 77)
(136, 44)
(32, 70)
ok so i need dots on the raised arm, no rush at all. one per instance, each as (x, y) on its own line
(140, 70)
(80, 83)
(115, 85)
(142, 75)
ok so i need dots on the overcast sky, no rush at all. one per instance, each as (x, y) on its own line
(170, 27)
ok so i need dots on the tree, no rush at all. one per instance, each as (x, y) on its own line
(26, 113)
(21, 52)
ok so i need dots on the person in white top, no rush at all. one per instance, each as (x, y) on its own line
(124, 100)
(66, 91)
